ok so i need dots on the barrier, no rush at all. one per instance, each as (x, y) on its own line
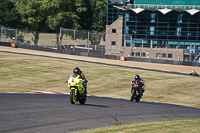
(5, 44)
(122, 58)
(13, 45)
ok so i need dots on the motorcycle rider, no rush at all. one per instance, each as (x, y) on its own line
(139, 80)
(77, 72)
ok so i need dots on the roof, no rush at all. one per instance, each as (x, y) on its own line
(164, 9)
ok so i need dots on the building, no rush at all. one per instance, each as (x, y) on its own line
(154, 29)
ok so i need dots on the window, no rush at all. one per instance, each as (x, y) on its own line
(158, 55)
(169, 55)
(178, 31)
(153, 17)
(113, 30)
(113, 43)
(163, 55)
(180, 18)
(137, 54)
(152, 29)
(143, 54)
(127, 30)
(127, 17)
(132, 53)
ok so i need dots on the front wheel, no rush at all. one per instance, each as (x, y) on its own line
(132, 95)
(137, 99)
(72, 96)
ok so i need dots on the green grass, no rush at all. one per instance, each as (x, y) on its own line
(168, 126)
(25, 73)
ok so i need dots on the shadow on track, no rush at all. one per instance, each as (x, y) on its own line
(95, 105)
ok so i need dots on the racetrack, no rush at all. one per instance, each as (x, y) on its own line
(26, 113)
(48, 113)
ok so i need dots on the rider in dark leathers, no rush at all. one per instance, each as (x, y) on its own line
(139, 80)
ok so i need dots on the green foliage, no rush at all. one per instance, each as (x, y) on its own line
(95, 16)
(99, 16)
(8, 14)
(50, 15)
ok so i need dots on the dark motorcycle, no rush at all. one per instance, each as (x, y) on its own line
(136, 92)
(193, 73)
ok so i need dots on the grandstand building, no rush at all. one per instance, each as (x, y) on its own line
(158, 29)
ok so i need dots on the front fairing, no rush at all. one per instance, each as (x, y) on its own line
(75, 82)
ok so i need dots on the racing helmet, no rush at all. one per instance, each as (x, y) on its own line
(137, 77)
(77, 71)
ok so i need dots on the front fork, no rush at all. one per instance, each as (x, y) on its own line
(75, 91)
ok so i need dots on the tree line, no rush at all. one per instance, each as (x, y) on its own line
(50, 15)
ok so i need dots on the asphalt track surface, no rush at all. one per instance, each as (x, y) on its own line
(53, 113)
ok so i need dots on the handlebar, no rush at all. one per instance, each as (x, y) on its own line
(85, 81)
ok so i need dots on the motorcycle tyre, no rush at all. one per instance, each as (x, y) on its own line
(132, 96)
(83, 100)
(137, 99)
(72, 96)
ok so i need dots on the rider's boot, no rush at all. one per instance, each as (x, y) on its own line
(141, 93)
(85, 86)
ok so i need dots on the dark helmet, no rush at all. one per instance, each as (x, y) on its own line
(137, 77)
(77, 71)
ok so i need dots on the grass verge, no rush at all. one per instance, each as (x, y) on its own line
(168, 126)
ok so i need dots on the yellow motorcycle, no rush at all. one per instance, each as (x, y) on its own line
(77, 90)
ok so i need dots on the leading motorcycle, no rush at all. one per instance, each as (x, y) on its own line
(77, 90)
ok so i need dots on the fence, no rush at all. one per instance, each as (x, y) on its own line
(81, 37)
(20, 36)
(77, 39)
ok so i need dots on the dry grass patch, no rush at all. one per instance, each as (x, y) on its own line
(24, 73)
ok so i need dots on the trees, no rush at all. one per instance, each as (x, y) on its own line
(94, 18)
(65, 14)
(8, 14)
(50, 15)
(32, 15)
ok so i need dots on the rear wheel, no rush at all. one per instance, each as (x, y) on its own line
(72, 96)
(83, 100)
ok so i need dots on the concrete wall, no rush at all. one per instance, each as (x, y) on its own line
(177, 54)
(116, 37)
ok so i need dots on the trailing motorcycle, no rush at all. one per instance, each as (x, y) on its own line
(193, 73)
(136, 92)
(77, 90)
